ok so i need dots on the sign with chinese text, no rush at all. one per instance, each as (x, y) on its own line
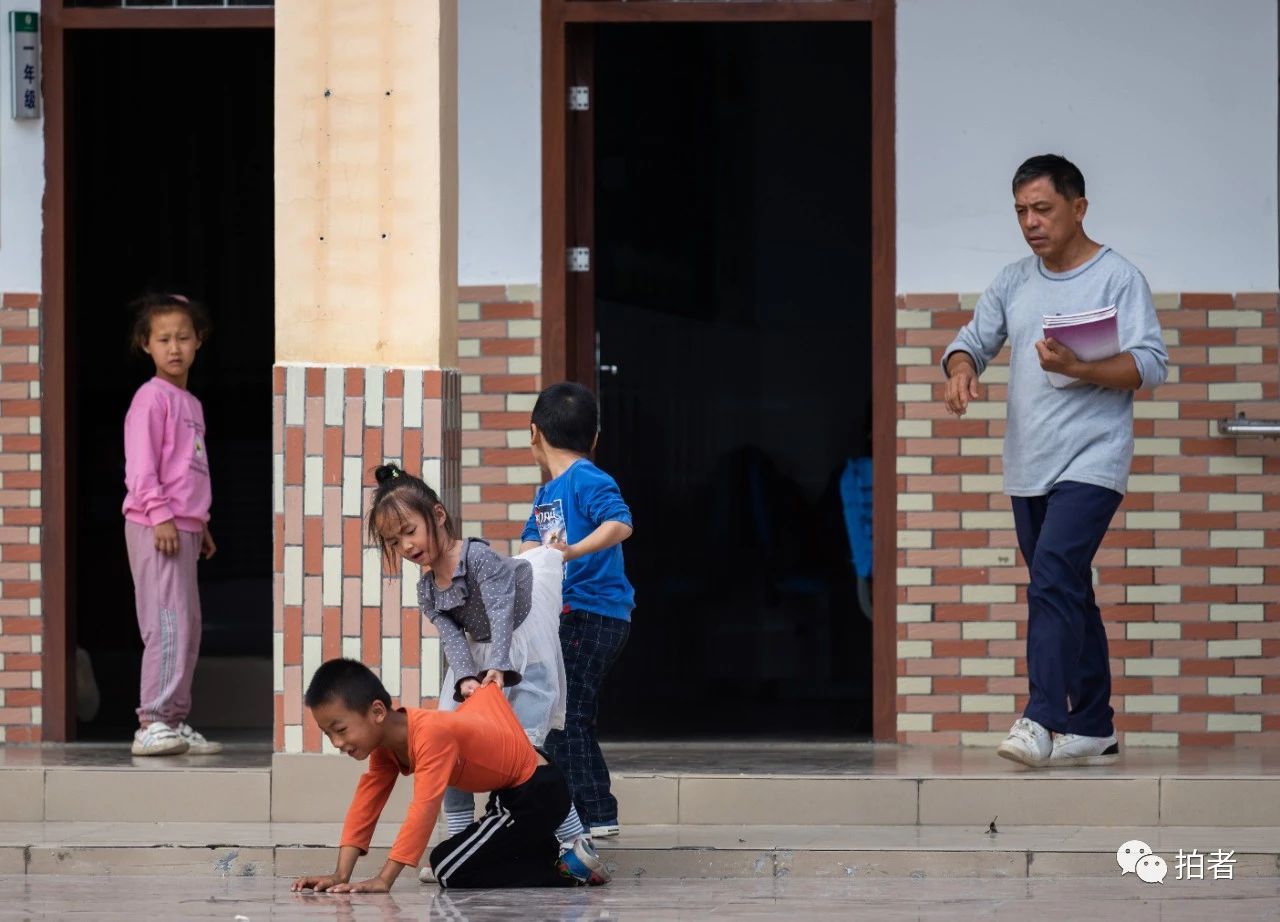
(24, 53)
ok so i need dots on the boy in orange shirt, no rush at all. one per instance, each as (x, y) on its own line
(478, 747)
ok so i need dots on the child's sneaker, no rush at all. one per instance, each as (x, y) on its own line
(582, 863)
(158, 739)
(605, 831)
(1073, 749)
(197, 745)
(426, 875)
(1028, 742)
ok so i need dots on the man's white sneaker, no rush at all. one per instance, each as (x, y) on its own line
(158, 739)
(1028, 743)
(426, 875)
(607, 831)
(1073, 749)
(197, 745)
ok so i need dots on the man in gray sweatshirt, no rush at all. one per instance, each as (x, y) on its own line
(1067, 451)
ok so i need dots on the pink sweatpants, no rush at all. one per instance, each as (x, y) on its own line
(168, 602)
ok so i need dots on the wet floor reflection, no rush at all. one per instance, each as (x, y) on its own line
(258, 900)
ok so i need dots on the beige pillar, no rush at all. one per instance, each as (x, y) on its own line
(366, 180)
(366, 329)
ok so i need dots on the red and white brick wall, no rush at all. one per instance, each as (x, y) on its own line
(333, 596)
(500, 356)
(20, 519)
(466, 432)
(1188, 579)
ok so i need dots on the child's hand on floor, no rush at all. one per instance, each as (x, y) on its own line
(372, 885)
(492, 677)
(468, 687)
(319, 884)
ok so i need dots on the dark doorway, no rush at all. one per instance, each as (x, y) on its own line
(732, 261)
(169, 154)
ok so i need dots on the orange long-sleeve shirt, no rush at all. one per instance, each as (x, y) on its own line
(478, 747)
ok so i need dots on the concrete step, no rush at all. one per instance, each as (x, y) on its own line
(700, 851)
(850, 786)
(318, 789)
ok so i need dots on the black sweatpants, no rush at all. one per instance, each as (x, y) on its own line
(514, 844)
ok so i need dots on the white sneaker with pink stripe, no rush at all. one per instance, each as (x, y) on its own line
(158, 739)
(197, 745)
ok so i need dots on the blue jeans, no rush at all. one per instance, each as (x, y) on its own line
(1068, 667)
(591, 645)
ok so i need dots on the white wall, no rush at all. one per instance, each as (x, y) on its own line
(1171, 115)
(21, 177)
(500, 138)
(499, 142)
(1168, 108)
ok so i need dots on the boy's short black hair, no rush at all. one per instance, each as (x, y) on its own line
(1067, 179)
(568, 417)
(349, 681)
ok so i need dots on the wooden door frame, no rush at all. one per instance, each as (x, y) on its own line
(56, 448)
(562, 340)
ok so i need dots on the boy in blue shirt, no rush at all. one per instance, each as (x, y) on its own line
(598, 599)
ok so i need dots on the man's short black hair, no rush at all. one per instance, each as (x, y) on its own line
(1068, 181)
(568, 417)
(349, 681)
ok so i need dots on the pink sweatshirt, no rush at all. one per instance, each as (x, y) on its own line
(166, 465)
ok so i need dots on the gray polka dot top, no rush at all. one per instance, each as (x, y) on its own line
(488, 599)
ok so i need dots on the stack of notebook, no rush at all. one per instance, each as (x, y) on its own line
(1091, 335)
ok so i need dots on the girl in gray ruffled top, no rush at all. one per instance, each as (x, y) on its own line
(498, 618)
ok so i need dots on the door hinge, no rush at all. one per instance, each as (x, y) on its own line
(579, 259)
(579, 98)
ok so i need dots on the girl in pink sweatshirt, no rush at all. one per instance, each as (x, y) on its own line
(166, 513)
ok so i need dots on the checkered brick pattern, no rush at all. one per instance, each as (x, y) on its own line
(500, 355)
(1188, 579)
(333, 596)
(20, 611)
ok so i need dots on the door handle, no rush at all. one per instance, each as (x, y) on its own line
(608, 369)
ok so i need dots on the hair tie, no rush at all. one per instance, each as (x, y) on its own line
(386, 472)
(181, 299)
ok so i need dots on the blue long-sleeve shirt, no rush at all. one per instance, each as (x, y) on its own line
(1082, 433)
(588, 498)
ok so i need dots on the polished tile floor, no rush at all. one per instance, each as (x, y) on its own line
(239, 754)
(1087, 839)
(260, 899)
(724, 758)
(869, 759)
